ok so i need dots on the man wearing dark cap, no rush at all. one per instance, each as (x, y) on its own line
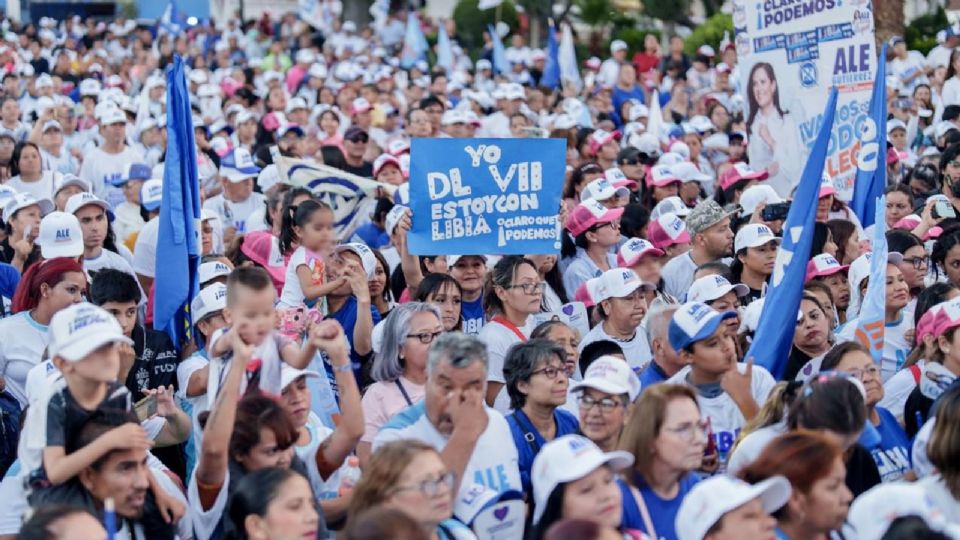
(354, 147)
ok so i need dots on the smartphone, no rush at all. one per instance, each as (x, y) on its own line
(534, 132)
(775, 212)
(146, 408)
(943, 209)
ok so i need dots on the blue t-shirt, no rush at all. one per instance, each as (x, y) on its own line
(9, 279)
(519, 425)
(663, 513)
(892, 455)
(620, 97)
(472, 313)
(372, 235)
(347, 317)
(651, 375)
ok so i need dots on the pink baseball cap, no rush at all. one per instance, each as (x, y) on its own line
(635, 249)
(382, 161)
(826, 187)
(740, 171)
(618, 179)
(667, 230)
(947, 318)
(263, 248)
(824, 265)
(908, 222)
(601, 137)
(588, 292)
(927, 324)
(589, 213)
(662, 175)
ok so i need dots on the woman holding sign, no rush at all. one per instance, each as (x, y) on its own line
(772, 131)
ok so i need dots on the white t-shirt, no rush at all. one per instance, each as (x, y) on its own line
(127, 220)
(896, 348)
(205, 522)
(636, 350)
(65, 163)
(897, 389)
(494, 462)
(235, 214)
(937, 491)
(752, 446)
(323, 489)
(292, 294)
(918, 455)
(678, 275)
(726, 420)
(499, 339)
(108, 259)
(145, 250)
(185, 370)
(268, 353)
(41, 189)
(22, 347)
(101, 169)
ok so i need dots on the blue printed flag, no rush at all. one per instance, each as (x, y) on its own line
(500, 64)
(551, 71)
(444, 49)
(414, 43)
(872, 157)
(178, 242)
(172, 20)
(870, 323)
(774, 336)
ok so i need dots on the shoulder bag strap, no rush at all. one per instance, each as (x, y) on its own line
(509, 326)
(404, 392)
(527, 430)
(644, 513)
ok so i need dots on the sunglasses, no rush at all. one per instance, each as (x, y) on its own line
(359, 139)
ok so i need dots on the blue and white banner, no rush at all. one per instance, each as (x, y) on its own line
(871, 178)
(347, 194)
(790, 54)
(485, 196)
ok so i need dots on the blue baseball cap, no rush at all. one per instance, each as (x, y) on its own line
(693, 322)
(238, 166)
(135, 171)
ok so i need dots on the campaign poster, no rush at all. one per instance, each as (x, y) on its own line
(791, 52)
(486, 196)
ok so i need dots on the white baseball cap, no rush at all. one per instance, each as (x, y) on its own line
(618, 179)
(873, 511)
(7, 194)
(566, 459)
(618, 45)
(79, 329)
(79, 200)
(611, 375)
(754, 195)
(588, 292)
(60, 235)
(618, 283)
(635, 249)
(151, 193)
(753, 235)
(693, 322)
(709, 288)
(667, 230)
(824, 265)
(602, 189)
(61, 181)
(212, 270)
(209, 300)
(269, 176)
(393, 217)
(288, 374)
(367, 258)
(710, 499)
(238, 166)
(23, 200)
(860, 268)
(670, 205)
(688, 172)
(662, 175)
(113, 115)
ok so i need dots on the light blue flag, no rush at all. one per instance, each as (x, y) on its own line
(171, 21)
(872, 157)
(500, 64)
(178, 244)
(778, 321)
(551, 70)
(873, 310)
(414, 43)
(444, 49)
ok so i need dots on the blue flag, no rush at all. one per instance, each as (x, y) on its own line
(872, 157)
(171, 21)
(551, 70)
(178, 243)
(500, 64)
(873, 310)
(444, 49)
(414, 43)
(778, 321)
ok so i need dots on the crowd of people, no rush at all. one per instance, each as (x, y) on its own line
(336, 385)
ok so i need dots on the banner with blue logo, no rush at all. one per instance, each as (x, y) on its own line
(790, 54)
(486, 196)
(871, 176)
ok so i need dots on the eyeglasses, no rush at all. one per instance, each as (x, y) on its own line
(615, 225)
(606, 404)
(690, 430)
(550, 372)
(529, 288)
(858, 374)
(431, 488)
(426, 337)
(917, 262)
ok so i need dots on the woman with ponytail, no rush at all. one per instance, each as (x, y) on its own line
(46, 288)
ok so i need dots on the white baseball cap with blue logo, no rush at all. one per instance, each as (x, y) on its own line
(693, 322)
(151, 194)
(60, 235)
(238, 166)
(80, 329)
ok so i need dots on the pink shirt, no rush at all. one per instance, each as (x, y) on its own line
(382, 400)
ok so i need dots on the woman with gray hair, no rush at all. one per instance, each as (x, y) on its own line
(399, 367)
(537, 385)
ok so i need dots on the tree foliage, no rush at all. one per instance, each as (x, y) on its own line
(472, 22)
(921, 32)
(709, 33)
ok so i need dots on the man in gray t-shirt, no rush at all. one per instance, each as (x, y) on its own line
(711, 239)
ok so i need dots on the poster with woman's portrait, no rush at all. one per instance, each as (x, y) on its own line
(791, 52)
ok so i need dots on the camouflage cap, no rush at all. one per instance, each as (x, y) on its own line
(705, 215)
